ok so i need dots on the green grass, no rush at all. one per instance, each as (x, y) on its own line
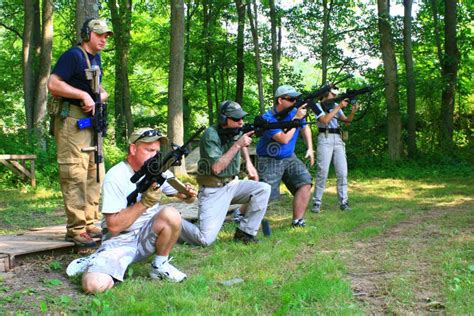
(305, 271)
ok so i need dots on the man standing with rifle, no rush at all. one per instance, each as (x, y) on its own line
(219, 186)
(276, 153)
(332, 146)
(75, 85)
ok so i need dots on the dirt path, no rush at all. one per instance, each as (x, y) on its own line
(400, 253)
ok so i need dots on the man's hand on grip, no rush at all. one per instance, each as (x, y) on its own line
(150, 197)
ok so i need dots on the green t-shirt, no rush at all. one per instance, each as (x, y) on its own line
(212, 148)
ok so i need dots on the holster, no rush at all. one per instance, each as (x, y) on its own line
(53, 106)
(213, 181)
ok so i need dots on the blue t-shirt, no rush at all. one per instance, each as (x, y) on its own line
(267, 147)
(70, 68)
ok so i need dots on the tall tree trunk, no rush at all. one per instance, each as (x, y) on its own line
(253, 21)
(239, 91)
(41, 94)
(275, 23)
(121, 21)
(449, 73)
(437, 35)
(176, 73)
(390, 79)
(207, 58)
(85, 9)
(29, 74)
(410, 76)
(324, 41)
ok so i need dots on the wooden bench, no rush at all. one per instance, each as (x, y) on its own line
(17, 164)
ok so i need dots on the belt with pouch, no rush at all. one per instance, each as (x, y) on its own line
(72, 110)
(213, 181)
(330, 130)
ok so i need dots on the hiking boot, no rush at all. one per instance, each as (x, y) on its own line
(298, 223)
(345, 207)
(82, 240)
(316, 208)
(94, 231)
(79, 265)
(244, 237)
(167, 272)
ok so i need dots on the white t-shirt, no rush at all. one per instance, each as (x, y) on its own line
(117, 186)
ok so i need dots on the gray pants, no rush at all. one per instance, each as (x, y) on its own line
(331, 147)
(214, 204)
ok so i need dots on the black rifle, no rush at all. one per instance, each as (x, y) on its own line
(350, 95)
(305, 98)
(260, 125)
(153, 169)
(98, 119)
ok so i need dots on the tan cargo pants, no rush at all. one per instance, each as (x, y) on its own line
(77, 173)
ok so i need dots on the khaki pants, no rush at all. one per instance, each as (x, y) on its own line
(77, 174)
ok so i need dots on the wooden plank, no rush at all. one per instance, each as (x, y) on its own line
(7, 164)
(21, 168)
(4, 262)
(8, 157)
(24, 246)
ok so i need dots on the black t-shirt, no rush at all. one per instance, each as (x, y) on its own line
(70, 68)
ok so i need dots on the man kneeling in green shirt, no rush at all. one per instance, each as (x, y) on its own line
(219, 186)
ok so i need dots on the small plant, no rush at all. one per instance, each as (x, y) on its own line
(55, 265)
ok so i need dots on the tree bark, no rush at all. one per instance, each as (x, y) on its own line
(324, 41)
(207, 58)
(121, 21)
(390, 79)
(85, 9)
(28, 62)
(176, 74)
(274, 21)
(410, 77)
(253, 21)
(239, 91)
(41, 94)
(449, 75)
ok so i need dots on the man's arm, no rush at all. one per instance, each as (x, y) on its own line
(122, 220)
(349, 119)
(284, 138)
(226, 158)
(59, 87)
(325, 119)
(252, 172)
(308, 139)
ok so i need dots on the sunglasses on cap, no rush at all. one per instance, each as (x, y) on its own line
(289, 99)
(148, 133)
(235, 119)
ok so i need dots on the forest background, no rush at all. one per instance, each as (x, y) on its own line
(170, 64)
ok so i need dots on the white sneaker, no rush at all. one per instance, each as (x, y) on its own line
(167, 271)
(79, 265)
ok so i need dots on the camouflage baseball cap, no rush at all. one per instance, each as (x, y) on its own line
(147, 135)
(100, 27)
(232, 109)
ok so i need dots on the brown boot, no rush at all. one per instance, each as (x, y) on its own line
(82, 240)
(94, 231)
